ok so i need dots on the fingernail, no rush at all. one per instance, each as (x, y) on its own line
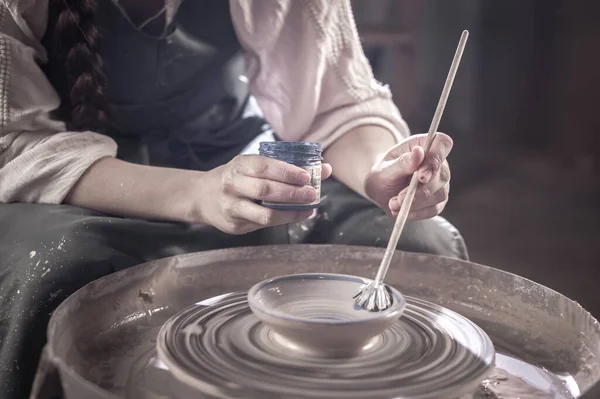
(303, 177)
(310, 194)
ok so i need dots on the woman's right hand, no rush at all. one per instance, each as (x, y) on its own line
(228, 194)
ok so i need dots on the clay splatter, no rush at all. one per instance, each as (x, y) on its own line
(55, 294)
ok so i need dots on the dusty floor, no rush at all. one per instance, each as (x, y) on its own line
(538, 221)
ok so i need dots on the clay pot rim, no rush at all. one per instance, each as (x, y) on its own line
(394, 311)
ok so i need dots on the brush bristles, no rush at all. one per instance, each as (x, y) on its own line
(373, 297)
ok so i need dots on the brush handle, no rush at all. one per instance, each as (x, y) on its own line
(414, 181)
(398, 227)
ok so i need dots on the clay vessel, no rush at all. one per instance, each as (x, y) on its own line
(315, 313)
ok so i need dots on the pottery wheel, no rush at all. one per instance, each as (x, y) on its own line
(223, 350)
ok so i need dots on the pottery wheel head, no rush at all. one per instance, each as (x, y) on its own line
(220, 348)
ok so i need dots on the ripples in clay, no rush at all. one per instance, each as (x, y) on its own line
(219, 348)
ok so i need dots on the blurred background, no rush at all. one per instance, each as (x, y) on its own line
(524, 114)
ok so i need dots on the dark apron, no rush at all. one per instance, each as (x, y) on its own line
(177, 101)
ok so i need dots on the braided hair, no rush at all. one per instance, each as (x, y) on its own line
(78, 41)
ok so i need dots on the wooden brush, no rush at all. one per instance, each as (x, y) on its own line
(375, 296)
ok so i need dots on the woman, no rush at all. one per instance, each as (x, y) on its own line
(122, 127)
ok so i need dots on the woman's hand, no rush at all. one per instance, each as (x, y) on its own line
(388, 181)
(229, 193)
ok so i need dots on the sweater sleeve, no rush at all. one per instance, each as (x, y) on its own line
(308, 71)
(39, 160)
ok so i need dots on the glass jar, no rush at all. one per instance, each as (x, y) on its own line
(304, 155)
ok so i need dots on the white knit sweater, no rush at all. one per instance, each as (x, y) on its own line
(306, 68)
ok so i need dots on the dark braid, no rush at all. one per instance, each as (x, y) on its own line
(78, 40)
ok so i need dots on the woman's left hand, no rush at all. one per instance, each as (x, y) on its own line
(388, 181)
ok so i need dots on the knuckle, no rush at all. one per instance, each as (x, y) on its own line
(232, 227)
(250, 165)
(425, 193)
(286, 174)
(259, 166)
(261, 189)
(436, 160)
(266, 217)
(237, 162)
(262, 166)
(226, 181)
(293, 195)
(228, 208)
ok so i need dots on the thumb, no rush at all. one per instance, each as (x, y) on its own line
(404, 165)
(407, 163)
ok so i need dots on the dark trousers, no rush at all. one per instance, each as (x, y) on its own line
(47, 252)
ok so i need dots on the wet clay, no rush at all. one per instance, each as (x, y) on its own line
(102, 339)
(430, 352)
